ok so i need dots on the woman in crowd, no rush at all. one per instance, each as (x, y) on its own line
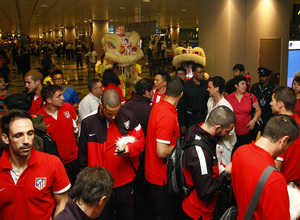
(3, 94)
(242, 105)
(296, 88)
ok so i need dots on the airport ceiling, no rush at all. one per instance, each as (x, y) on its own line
(31, 17)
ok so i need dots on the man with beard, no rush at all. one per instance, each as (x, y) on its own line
(32, 183)
(200, 167)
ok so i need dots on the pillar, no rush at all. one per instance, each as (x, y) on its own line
(70, 34)
(174, 31)
(100, 28)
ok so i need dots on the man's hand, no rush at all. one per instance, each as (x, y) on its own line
(228, 167)
(125, 153)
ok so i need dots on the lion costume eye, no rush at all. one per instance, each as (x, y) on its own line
(196, 52)
(183, 51)
(111, 46)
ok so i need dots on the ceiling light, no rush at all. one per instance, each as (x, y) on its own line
(76, 27)
(90, 19)
(146, 0)
(122, 8)
(85, 21)
(111, 20)
(159, 14)
(44, 6)
(62, 27)
(183, 9)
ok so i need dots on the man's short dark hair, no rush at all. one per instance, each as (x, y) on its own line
(58, 71)
(222, 116)
(181, 68)
(11, 116)
(195, 66)
(164, 75)
(279, 126)
(239, 79)
(111, 98)
(175, 87)
(239, 67)
(218, 81)
(17, 101)
(92, 84)
(143, 85)
(49, 90)
(109, 76)
(286, 95)
(92, 183)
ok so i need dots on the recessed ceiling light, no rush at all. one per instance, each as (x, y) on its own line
(90, 19)
(183, 9)
(44, 6)
(76, 27)
(146, 0)
(159, 14)
(111, 20)
(85, 21)
(62, 27)
(122, 8)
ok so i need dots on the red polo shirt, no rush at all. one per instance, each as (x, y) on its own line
(32, 196)
(242, 111)
(248, 163)
(36, 105)
(163, 127)
(290, 159)
(61, 130)
(157, 97)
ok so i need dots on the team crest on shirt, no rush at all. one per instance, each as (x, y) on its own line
(67, 114)
(40, 183)
(127, 124)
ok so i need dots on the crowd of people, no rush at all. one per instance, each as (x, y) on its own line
(113, 154)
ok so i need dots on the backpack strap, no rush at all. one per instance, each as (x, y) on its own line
(258, 190)
(199, 143)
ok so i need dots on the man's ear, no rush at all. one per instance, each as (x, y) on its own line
(217, 128)
(4, 138)
(48, 100)
(181, 94)
(280, 104)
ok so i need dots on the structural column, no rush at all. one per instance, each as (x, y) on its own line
(100, 28)
(70, 34)
(174, 34)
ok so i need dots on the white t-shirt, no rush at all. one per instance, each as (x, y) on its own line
(92, 56)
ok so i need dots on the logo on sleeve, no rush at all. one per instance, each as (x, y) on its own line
(67, 114)
(40, 183)
(127, 124)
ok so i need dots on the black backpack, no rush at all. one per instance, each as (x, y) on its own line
(50, 146)
(175, 176)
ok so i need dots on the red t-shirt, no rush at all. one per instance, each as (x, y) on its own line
(121, 169)
(242, 111)
(32, 196)
(157, 97)
(163, 127)
(248, 163)
(290, 159)
(61, 130)
(36, 105)
(297, 107)
(119, 90)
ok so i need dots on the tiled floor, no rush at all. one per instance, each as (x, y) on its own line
(77, 79)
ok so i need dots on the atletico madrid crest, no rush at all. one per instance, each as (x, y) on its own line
(40, 183)
(67, 114)
(127, 124)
